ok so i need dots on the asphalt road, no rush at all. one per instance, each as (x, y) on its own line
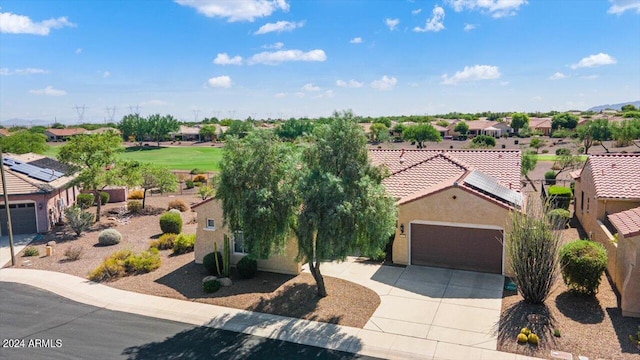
(35, 324)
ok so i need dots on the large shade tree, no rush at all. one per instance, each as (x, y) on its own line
(519, 121)
(421, 133)
(23, 141)
(134, 127)
(161, 126)
(344, 206)
(149, 176)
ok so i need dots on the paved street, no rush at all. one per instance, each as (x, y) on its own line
(71, 330)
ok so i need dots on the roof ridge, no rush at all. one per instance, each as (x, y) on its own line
(414, 165)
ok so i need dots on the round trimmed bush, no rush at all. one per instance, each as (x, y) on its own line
(559, 218)
(84, 201)
(563, 151)
(109, 237)
(211, 286)
(134, 206)
(583, 262)
(550, 177)
(171, 222)
(189, 184)
(177, 204)
(484, 141)
(104, 198)
(247, 267)
(209, 262)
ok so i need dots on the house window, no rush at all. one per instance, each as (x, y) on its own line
(587, 204)
(238, 243)
(211, 224)
(581, 201)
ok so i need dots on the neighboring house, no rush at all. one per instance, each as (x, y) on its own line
(607, 202)
(441, 129)
(453, 206)
(487, 127)
(38, 191)
(211, 230)
(103, 130)
(187, 133)
(542, 125)
(62, 134)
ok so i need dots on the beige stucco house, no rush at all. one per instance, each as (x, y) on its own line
(607, 203)
(211, 230)
(453, 206)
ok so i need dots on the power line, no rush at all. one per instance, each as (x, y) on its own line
(111, 113)
(80, 111)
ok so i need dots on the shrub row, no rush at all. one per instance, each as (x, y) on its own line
(125, 262)
(86, 200)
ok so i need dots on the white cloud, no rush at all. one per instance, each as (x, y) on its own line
(472, 73)
(279, 26)
(469, 27)
(220, 81)
(416, 11)
(594, 60)
(19, 24)
(310, 87)
(78, 51)
(392, 23)
(245, 10)
(351, 83)
(26, 71)
(385, 83)
(277, 57)
(280, 95)
(557, 76)
(496, 8)
(224, 59)
(49, 91)
(106, 74)
(435, 23)
(356, 40)
(620, 6)
(276, 46)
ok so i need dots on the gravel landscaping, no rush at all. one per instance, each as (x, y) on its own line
(180, 277)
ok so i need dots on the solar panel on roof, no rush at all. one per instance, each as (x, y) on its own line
(32, 171)
(489, 185)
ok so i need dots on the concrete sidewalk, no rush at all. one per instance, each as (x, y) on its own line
(20, 241)
(343, 338)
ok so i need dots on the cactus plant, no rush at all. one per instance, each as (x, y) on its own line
(215, 250)
(533, 339)
(522, 338)
(226, 256)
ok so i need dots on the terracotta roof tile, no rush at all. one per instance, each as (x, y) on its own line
(627, 222)
(615, 175)
(66, 132)
(423, 175)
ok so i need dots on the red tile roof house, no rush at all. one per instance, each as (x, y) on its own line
(62, 134)
(607, 202)
(484, 127)
(38, 191)
(541, 124)
(453, 206)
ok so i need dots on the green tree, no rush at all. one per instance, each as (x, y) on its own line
(134, 126)
(293, 129)
(592, 131)
(628, 107)
(161, 126)
(93, 156)
(626, 132)
(208, 133)
(257, 188)
(344, 206)
(564, 120)
(421, 133)
(566, 162)
(24, 141)
(528, 163)
(462, 128)
(153, 177)
(38, 129)
(537, 143)
(379, 132)
(383, 120)
(518, 121)
(238, 128)
(484, 141)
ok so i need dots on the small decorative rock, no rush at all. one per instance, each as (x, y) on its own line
(208, 278)
(225, 281)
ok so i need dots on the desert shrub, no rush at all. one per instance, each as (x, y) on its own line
(189, 184)
(184, 243)
(209, 262)
(171, 222)
(200, 178)
(142, 263)
(580, 150)
(84, 201)
(78, 219)
(211, 286)
(559, 197)
(30, 251)
(559, 218)
(532, 246)
(545, 151)
(112, 267)
(550, 177)
(247, 267)
(136, 195)
(177, 204)
(195, 171)
(73, 252)
(164, 242)
(583, 262)
(484, 141)
(109, 237)
(563, 151)
(104, 197)
(134, 206)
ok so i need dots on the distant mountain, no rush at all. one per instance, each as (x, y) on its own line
(25, 122)
(614, 106)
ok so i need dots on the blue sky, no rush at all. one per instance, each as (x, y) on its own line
(285, 58)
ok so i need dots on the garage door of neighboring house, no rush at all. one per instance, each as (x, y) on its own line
(23, 219)
(465, 248)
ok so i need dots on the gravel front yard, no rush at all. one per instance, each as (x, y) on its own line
(180, 277)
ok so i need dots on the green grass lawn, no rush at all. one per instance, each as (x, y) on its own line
(552, 157)
(174, 158)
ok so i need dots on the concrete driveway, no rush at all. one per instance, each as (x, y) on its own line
(443, 305)
(19, 243)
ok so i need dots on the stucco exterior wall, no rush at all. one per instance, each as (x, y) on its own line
(628, 269)
(205, 238)
(452, 205)
(44, 202)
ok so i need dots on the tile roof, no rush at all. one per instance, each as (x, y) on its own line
(66, 132)
(615, 175)
(627, 222)
(423, 175)
(18, 183)
(538, 123)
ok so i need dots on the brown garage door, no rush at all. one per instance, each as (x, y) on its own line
(457, 247)
(23, 219)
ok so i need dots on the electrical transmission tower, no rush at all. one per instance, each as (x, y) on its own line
(196, 112)
(134, 109)
(80, 111)
(111, 113)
